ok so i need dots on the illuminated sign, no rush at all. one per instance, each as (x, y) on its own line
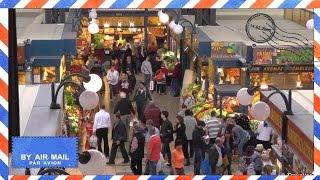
(281, 68)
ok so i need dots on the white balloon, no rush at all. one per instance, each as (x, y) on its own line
(260, 111)
(172, 24)
(94, 84)
(178, 29)
(88, 100)
(93, 14)
(96, 164)
(164, 18)
(93, 27)
(310, 24)
(244, 97)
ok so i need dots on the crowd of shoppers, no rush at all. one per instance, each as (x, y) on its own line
(215, 140)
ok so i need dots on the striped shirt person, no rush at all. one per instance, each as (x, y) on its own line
(213, 126)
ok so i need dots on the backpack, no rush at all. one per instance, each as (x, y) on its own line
(257, 165)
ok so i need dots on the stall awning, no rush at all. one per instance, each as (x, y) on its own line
(41, 61)
(227, 89)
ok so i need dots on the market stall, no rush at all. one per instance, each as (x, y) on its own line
(295, 155)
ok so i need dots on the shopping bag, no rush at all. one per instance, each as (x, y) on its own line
(93, 141)
(151, 87)
(205, 167)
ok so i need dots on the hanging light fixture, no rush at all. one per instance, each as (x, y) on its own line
(172, 24)
(178, 29)
(93, 27)
(93, 14)
(310, 24)
(163, 17)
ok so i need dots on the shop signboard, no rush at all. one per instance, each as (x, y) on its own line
(294, 68)
(262, 55)
(300, 143)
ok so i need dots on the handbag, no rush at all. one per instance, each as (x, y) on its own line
(151, 87)
(225, 161)
(93, 141)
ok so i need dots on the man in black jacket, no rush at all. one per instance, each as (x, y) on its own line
(119, 136)
(137, 149)
(199, 145)
(166, 133)
(126, 110)
(141, 97)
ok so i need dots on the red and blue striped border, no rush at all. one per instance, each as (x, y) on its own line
(117, 4)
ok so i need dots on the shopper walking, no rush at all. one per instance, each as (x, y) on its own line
(149, 125)
(160, 78)
(137, 149)
(166, 133)
(119, 136)
(215, 156)
(178, 158)
(241, 138)
(180, 130)
(142, 97)
(124, 85)
(256, 161)
(126, 110)
(153, 112)
(146, 70)
(191, 100)
(213, 127)
(101, 124)
(199, 145)
(132, 81)
(113, 79)
(264, 132)
(191, 124)
(153, 153)
(228, 145)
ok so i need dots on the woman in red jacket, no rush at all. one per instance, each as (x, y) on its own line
(160, 78)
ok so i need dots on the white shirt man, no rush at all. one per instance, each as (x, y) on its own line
(101, 120)
(102, 123)
(146, 67)
(113, 76)
(264, 132)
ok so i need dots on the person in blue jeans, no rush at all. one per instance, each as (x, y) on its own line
(241, 137)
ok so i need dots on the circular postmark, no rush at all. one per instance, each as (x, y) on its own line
(260, 28)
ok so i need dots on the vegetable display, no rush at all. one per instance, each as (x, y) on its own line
(170, 59)
(72, 112)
